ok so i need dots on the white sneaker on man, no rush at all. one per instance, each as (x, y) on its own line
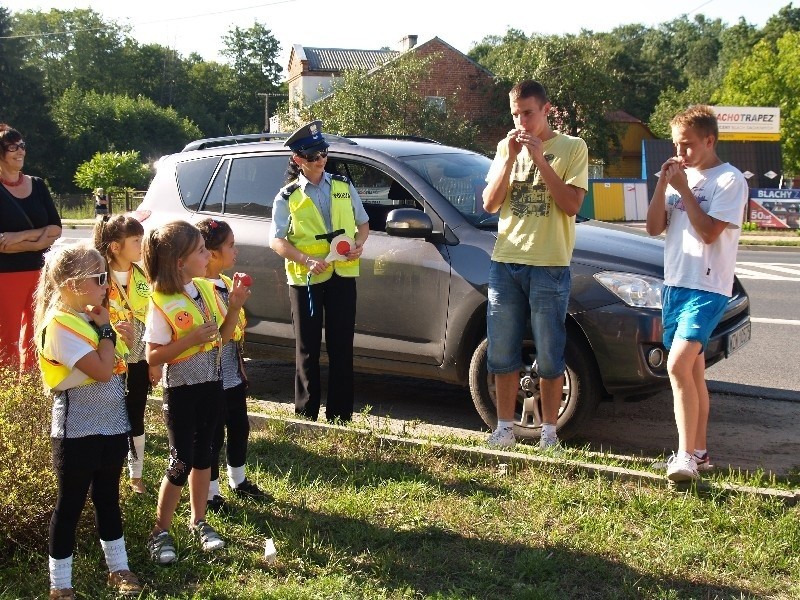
(502, 437)
(681, 467)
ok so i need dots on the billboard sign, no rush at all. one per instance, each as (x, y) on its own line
(775, 209)
(753, 123)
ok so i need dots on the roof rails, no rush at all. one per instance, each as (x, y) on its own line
(391, 136)
(252, 137)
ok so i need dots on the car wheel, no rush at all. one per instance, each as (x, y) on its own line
(579, 399)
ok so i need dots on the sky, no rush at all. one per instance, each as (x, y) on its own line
(199, 26)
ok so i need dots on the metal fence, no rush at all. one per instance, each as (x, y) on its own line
(82, 205)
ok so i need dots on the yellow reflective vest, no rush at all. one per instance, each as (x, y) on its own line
(238, 332)
(53, 372)
(184, 315)
(306, 223)
(132, 302)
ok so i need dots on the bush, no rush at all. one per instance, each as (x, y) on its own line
(26, 476)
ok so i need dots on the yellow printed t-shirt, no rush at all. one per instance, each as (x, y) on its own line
(532, 229)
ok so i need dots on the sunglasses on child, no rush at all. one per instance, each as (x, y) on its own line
(314, 156)
(102, 278)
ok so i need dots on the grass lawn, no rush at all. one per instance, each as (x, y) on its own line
(355, 517)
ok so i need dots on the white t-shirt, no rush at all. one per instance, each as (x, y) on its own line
(721, 192)
(68, 348)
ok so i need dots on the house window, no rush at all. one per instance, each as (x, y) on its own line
(437, 102)
(595, 170)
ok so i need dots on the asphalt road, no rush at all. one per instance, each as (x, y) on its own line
(767, 365)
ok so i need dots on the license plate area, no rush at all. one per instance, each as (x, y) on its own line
(738, 338)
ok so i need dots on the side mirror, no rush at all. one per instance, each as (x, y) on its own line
(409, 223)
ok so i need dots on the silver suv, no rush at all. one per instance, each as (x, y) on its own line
(422, 291)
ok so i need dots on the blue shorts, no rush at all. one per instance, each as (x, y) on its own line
(690, 314)
(515, 293)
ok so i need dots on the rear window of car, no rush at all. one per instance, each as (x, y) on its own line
(193, 177)
(242, 185)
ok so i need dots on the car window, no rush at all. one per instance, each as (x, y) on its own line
(460, 178)
(193, 177)
(215, 195)
(253, 183)
(378, 191)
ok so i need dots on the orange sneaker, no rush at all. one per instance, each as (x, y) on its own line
(125, 583)
(137, 485)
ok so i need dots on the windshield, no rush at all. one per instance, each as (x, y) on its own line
(460, 178)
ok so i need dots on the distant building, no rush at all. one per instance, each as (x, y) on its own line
(313, 71)
(631, 134)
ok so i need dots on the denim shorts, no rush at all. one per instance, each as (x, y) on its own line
(515, 293)
(690, 314)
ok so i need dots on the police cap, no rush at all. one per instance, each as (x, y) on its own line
(307, 139)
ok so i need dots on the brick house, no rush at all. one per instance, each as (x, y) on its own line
(312, 71)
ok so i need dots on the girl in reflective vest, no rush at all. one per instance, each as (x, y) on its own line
(83, 364)
(222, 245)
(119, 240)
(183, 334)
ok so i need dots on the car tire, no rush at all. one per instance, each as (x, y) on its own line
(581, 391)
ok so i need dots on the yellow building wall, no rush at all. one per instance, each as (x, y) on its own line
(609, 201)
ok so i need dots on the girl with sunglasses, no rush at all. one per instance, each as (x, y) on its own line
(119, 240)
(308, 213)
(29, 224)
(83, 365)
(183, 335)
(221, 243)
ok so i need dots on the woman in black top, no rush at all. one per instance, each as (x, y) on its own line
(29, 224)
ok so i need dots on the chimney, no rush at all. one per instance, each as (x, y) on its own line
(408, 42)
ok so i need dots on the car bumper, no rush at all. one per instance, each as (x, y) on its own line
(627, 343)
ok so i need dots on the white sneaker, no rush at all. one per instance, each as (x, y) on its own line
(681, 467)
(502, 437)
(548, 441)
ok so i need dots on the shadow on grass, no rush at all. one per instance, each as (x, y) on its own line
(332, 555)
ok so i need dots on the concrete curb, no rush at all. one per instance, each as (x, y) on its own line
(476, 455)
(483, 456)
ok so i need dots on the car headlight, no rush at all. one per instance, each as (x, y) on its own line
(632, 289)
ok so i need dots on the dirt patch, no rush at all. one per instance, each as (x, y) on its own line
(744, 433)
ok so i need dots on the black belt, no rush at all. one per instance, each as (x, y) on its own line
(329, 236)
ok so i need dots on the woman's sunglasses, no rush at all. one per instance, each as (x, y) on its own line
(20, 145)
(314, 156)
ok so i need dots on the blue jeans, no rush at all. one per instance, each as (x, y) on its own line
(516, 291)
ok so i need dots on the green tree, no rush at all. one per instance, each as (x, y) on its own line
(206, 99)
(672, 101)
(388, 102)
(253, 54)
(113, 171)
(575, 71)
(73, 48)
(787, 19)
(92, 122)
(21, 89)
(153, 71)
(770, 77)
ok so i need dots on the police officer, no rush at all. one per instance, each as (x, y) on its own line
(308, 213)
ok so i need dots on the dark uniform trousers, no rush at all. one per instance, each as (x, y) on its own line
(334, 308)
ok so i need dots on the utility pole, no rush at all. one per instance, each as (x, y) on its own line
(266, 107)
